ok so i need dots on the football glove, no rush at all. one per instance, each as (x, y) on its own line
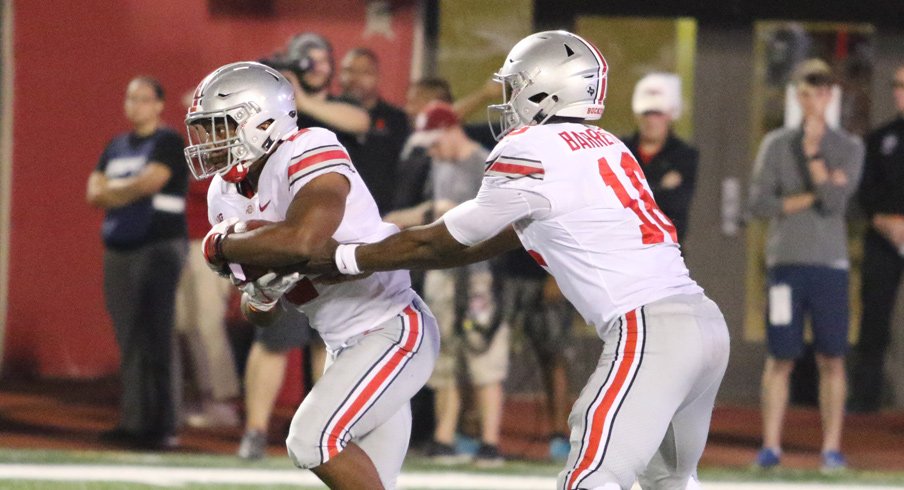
(264, 293)
(212, 246)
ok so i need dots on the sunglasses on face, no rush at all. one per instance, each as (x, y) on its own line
(897, 84)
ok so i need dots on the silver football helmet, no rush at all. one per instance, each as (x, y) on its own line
(551, 73)
(238, 114)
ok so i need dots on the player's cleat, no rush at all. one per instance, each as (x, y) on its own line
(833, 461)
(767, 458)
(253, 445)
(559, 447)
(488, 456)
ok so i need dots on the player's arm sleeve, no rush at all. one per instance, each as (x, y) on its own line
(321, 155)
(494, 208)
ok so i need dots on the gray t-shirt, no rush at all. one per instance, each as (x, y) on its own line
(816, 235)
(458, 181)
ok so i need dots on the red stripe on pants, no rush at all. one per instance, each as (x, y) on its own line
(375, 386)
(610, 399)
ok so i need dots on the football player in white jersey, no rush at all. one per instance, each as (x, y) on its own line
(352, 429)
(576, 199)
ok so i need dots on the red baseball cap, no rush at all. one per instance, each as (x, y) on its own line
(436, 115)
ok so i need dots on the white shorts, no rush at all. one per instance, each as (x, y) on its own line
(363, 395)
(645, 412)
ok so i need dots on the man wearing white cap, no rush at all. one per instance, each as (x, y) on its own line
(669, 163)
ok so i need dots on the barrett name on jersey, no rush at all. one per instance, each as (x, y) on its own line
(570, 189)
(336, 311)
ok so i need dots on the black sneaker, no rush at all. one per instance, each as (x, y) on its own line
(120, 436)
(488, 456)
(445, 454)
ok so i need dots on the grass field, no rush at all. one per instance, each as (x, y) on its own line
(70, 470)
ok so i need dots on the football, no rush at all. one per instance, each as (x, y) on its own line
(243, 272)
(303, 292)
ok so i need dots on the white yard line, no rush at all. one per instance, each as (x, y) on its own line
(172, 476)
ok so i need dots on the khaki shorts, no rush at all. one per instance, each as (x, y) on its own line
(483, 367)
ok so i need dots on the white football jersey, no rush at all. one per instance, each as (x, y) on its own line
(583, 209)
(337, 311)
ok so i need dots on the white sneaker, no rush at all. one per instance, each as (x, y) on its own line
(214, 414)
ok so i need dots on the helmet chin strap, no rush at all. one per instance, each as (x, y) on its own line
(236, 174)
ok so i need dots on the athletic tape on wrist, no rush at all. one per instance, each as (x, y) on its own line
(345, 259)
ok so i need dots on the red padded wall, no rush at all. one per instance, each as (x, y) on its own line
(72, 62)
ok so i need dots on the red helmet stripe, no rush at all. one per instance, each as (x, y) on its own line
(601, 73)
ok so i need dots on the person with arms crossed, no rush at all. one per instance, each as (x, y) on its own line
(352, 429)
(141, 183)
(669, 163)
(576, 199)
(802, 180)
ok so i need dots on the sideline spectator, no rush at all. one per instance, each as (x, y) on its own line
(669, 164)
(882, 197)
(265, 373)
(414, 165)
(140, 182)
(201, 303)
(803, 178)
(309, 65)
(460, 298)
(528, 297)
(375, 153)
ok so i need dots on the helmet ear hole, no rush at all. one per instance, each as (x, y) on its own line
(264, 125)
(537, 98)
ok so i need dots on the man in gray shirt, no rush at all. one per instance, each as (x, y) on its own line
(460, 298)
(802, 181)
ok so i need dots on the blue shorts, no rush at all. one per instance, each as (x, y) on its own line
(798, 290)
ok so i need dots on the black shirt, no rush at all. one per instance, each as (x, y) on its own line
(882, 185)
(674, 155)
(376, 153)
(154, 218)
